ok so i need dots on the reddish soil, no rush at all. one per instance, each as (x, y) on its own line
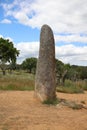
(19, 110)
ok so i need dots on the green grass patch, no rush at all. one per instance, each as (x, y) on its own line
(21, 82)
(69, 90)
(52, 102)
(14, 87)
(69, 87)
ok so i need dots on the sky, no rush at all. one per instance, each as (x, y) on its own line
(21, 21)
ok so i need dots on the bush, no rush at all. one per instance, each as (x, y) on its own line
(52, 102)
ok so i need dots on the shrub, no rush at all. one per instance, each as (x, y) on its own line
(52, 102)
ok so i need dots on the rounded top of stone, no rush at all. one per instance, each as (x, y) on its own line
(46, 26)
(46, 35)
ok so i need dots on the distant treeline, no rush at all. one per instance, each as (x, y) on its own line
(63, 71)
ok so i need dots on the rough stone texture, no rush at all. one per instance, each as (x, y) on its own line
(45, 83)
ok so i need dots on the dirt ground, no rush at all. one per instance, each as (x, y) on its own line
(19, 110)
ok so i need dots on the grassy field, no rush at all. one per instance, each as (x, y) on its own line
(73, 87)
(20, 80)
(17, 81)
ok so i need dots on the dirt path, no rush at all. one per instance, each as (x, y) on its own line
(20, 111)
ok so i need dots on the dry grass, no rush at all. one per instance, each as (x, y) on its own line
(17, 81)
(20, 80)
(73, 87)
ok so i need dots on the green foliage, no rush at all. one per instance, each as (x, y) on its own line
(60, 72)
(83, 73)
(59, 67)
(30, 64)
(15, 87)
(74, 72)
(51, 102)
(8, 53)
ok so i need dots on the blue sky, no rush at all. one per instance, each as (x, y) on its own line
(21, 21)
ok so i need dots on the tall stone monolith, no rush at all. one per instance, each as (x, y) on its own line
(45, 83)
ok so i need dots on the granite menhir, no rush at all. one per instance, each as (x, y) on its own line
(45, 83)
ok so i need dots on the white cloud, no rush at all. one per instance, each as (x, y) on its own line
(61, 15)
(6, 21)
(64, 16)
(72, 54)
(27, 49)
(71, 38)
(1, 36)
(66, 53)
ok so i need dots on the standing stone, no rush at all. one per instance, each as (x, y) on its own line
(45, 83)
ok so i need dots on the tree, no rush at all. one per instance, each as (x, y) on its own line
(30, 64)
(61, 71)
(8, 53)
(83, 73)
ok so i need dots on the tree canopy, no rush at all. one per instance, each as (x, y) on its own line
(63, 71)
(30, 64)
(8, 53)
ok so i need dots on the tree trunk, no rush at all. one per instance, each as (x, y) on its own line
(4, 71)
(62, 80)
